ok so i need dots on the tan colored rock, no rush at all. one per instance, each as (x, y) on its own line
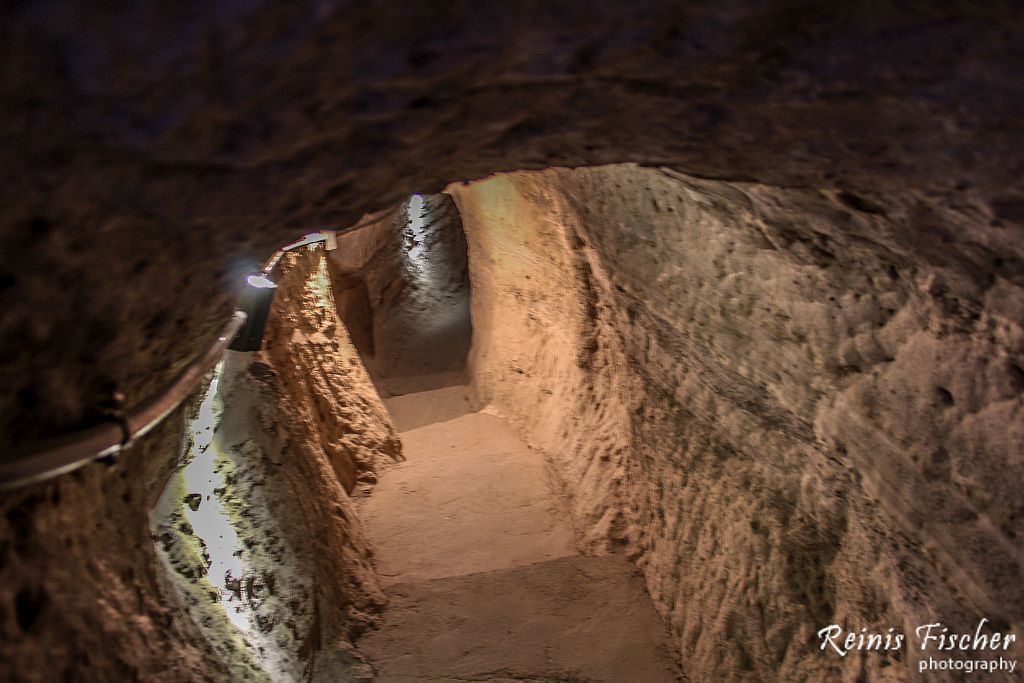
(82, 595)
(783, 431)
(322, 372)
(154, 152)
(301, 427)
(404, 297)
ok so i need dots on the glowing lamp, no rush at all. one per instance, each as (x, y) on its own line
(255, 301)
(259, 282)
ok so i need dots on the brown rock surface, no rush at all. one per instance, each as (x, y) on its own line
(571, 619)
(474, 548)
(321, 371)
(784, 423)
(402, 289)
(301, 426)
(470, 498)
(870, 152)
(154, 152)
(81, 595)
(304, 428)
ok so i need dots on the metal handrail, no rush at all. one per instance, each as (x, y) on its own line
(106, 440)
(322, 236)
(313, 238)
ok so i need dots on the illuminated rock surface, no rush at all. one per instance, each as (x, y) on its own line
(775, 418)
(778, 366)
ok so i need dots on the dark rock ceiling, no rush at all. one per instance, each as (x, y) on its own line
(154, 151)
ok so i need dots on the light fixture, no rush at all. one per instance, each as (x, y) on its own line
(255, 301)
(259, 282)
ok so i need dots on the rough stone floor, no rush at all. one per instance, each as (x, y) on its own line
(476, 555)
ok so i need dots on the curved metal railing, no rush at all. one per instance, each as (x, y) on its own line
(106, 440)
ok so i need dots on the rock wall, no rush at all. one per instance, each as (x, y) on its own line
(165, 148)
(321, 369)
(154, 152)
(299, 429)
(367, 276)
(403, 290)
(331, 435)
(213, 546)
(87, 595)
(786, 415)
(82, 593)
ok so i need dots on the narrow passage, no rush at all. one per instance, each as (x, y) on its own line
(475, 552)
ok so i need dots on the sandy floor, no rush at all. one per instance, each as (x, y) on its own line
(477, 556)
(471, 497)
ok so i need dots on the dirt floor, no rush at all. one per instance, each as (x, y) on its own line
(476, 552)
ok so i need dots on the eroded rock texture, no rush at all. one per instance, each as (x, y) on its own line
(330, 435)
(402, 290)
(153, 152)
(82, 594)
(309, 346)
(154, 149)
(785, 415)
(301, 427)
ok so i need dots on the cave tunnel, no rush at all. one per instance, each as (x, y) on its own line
(557, 341)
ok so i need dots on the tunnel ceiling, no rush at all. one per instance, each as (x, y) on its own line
(153, 152)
